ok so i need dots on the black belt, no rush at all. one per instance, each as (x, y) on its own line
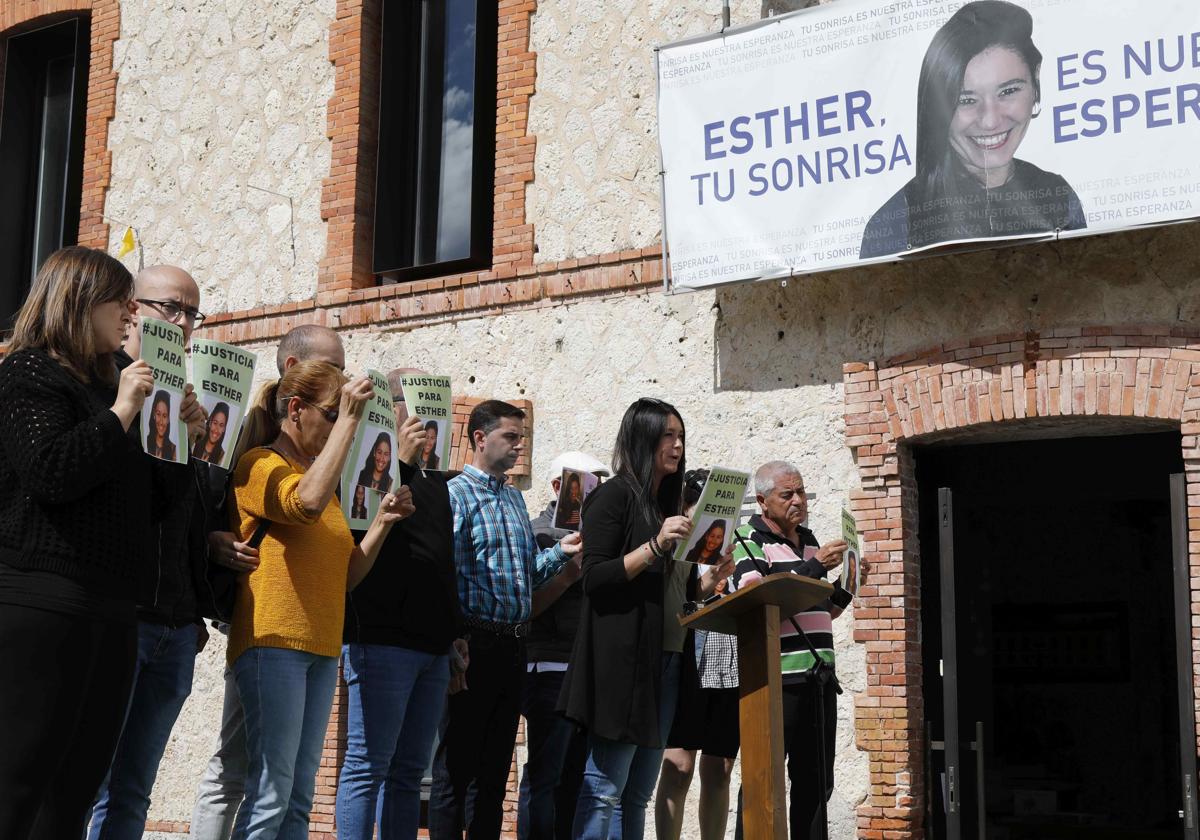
(498, 628)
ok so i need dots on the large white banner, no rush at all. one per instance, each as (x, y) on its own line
(869, 130)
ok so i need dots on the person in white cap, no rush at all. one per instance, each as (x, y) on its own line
(557, 748)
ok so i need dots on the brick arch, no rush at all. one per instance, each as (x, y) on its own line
(1090, 374)
(20, 15)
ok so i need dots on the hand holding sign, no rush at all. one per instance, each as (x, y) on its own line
(137, 381)
(410, 440)
(355, 395)
(192, 413)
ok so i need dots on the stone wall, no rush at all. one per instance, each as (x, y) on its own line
(214, 99)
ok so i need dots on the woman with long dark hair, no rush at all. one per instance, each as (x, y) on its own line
(158, 427)
(707, 549)
(978, 93)
(624, 673)
(211, 446)
(76, 502)
(376, 473)
(429, 456)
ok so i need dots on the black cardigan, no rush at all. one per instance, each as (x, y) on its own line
(76, 490)
(613, 683)
(409, 598)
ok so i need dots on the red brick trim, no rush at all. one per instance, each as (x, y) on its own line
(101, 97)
(1133, 372)
(348, 194)
(348, 198)
(448, 298)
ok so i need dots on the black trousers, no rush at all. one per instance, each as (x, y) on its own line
(64, 685)
(478, 733)
(802, 741)
(554, 771)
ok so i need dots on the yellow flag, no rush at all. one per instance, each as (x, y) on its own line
(127, 243)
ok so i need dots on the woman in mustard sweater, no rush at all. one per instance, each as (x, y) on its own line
(286, 632)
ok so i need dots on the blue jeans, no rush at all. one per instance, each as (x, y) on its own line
(619, 778)
(166, 659)
(396, 700)
(286, 695)
(557, 752)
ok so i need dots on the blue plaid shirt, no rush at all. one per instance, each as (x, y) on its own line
(495, 553)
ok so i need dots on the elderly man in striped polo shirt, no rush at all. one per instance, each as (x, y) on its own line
(775, 541)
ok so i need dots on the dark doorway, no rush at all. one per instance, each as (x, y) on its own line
(1061, 600)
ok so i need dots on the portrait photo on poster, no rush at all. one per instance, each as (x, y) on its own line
(160, 427)
(377, 457)
(573, 488)
(220, 435)
(710, 537)
(979, 94)
(430, 457)
(850, 568)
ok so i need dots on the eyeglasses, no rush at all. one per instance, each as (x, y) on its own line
(330, 414)
(171, 310)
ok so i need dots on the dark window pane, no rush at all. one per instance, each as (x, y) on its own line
(436, 137)
(41, 152)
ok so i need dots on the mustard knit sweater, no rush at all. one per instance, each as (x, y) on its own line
(296, 598)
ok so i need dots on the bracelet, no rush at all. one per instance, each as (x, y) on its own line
(655, 548)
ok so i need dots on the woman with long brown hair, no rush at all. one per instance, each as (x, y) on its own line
(286, 633)
(75, 516)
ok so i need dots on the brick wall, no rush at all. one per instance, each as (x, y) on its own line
(348, 203)
(20, 15)
(1129, 372)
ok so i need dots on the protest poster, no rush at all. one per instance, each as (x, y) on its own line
(163, 434)
(871, 130)
(222, 376)
(852, 556)
(427, 397)
(371, 467)
(715, 517)
(573, 488)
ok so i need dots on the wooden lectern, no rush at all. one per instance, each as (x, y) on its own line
(752, 614)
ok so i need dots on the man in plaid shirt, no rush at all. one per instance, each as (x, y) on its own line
(498, 567)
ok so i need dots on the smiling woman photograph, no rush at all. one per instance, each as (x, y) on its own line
(158, 428)
(429, 451)
(376, 473)
(978, 95)
(211, 445)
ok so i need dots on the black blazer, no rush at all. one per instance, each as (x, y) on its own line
(613, 682)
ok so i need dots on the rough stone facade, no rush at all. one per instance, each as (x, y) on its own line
(217, 102)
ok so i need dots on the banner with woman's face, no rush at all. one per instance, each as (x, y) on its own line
(871, 130)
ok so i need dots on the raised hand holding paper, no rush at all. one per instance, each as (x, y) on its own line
(222, 375)
(371, 468)
(573, 488)
(715, 517)
(164, 435)
(852, 557)
(427, 397)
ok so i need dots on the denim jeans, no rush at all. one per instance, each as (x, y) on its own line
(557, 752)
(619, 778)
(162, 678)
(396, 700)
(223, 784)
(286, 695)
